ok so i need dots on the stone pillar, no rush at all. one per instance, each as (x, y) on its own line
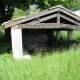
(58, 35)
(70, 34)
(16, 36)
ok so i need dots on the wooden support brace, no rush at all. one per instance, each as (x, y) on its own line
(58, 35)
(58, 21)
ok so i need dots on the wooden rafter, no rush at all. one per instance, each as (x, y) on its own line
(44, 19)
(69, 19)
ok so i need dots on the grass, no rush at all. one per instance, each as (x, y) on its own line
(60, 64)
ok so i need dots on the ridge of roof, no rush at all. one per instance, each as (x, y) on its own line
(59, 6)
(14, 19)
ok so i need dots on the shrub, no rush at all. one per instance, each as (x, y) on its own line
(18, 13)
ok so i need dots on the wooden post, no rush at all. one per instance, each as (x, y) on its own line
(58, 21)
(70, 34)
(16, 36)
(58, 35)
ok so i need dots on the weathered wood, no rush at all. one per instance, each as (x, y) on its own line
(48, 26)
(39, 26)
(58, 17)
(69, 19)
(69, 26)
(58, 21)
(16, 35)
(68, 12)
(44, 19)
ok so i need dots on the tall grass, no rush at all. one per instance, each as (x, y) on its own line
(58, 66)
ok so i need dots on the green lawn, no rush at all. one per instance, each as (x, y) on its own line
(60, 64)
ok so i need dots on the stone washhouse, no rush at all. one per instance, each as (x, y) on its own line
(34, 31)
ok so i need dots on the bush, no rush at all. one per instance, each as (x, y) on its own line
(18, 13)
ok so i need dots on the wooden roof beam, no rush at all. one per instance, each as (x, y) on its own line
(49, 26)
(58, 21)
(44, 19)
(67, 12)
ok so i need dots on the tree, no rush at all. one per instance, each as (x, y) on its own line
(2, 11)
(70, 4)
(7, 8)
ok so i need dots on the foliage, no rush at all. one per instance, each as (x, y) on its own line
(64, 33)
(76, 34)
(5, 47)
(1, 28)
(1, 32)
(33, 9)
(70, 4)
(18, 13)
